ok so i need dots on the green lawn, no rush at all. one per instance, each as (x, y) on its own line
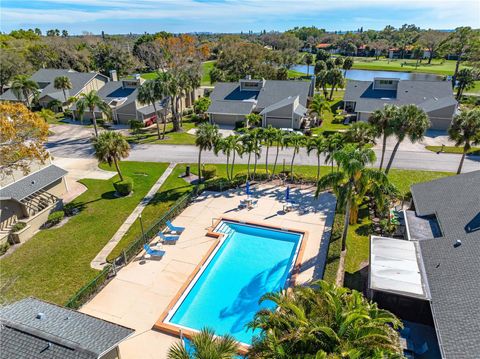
(294, 74)
(55, 263)
(149, 135)
(207, 66)
(475, 89)
(328, 123)
(452, 149)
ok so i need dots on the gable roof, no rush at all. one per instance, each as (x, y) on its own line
(83, 335)
(276, 90)
(428, 95)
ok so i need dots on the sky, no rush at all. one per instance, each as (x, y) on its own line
(233, 16)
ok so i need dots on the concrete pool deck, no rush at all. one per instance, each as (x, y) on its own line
(141, 291)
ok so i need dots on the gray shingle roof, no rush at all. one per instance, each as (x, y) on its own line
(277, 90)
(453, 271)
(428, 95)
(231, 107)
(32, 183)
(85, 336)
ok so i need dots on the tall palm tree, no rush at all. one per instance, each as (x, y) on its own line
(268, 136)
(335, 79)
(319, 105)
(361, 133)
(257, 138)
(110, 147)
(354, 181)
(279, 143)
(319, 145)
(410, 121)
(91, 100)
(206, 137)
(382, 120)
(322, 81)
(235, 143)
(149, 94)
(205, 345)
(24, 88)
(465, 131)
(172, 88)
(323, 321)
(334, 143)
(250, 146)
(296, 141)
(62, 83)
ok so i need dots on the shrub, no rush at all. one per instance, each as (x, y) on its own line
(239, 124)
(70, 209)
(55, 218)
(4, 248)
(124, 187)
(17, 227)
(260, 175)
(209, 172)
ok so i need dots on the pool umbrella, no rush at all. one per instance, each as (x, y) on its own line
(287, 193)
(248, 188)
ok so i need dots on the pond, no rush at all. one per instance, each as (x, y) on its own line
(368, 75)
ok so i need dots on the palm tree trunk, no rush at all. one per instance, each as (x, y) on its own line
(384, 144)
(457, 65)
(291, 165)
(331, 91)
(164, 119)
(318, 166)
(392, 156)
(118, 168)
(255, 166)
(346, 222)
(233, 164)
(266, 160)
(94, 119)
(156, 114)
(248, 164)
(430, 57)
(199, 164)
(176, 125)
(228, 166)
(64, 95)
(276, 159)
(461, 161)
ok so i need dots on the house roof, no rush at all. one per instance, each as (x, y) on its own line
(32, 183)
(428, 95)
(290, 100)
(231, 107)
(29, 325)
(452, 270)
(276, 90)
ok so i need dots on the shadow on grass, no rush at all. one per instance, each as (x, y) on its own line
(357, 280)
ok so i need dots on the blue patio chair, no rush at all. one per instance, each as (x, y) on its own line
(168, 239)
(153, 253)
(173, 228)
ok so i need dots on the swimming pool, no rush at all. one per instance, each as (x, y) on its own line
(249, 261)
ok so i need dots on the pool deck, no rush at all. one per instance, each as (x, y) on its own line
(142, 291)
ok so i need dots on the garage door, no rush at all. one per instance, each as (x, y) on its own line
(226, 119)
(279, 122)
(440, 123)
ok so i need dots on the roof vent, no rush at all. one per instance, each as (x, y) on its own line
(40, 316)
(458, 243)
(33, 182)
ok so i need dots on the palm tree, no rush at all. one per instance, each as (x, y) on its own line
(233, 144)
(296, 141)
(90, 101)
(149, 94)
(110, 147)
(354, 181)
(279, 140)
(465, 131)
(257, 138)
(410, 121)
(319, 145)
(323, 321)
(308, 62)
(322, 81)
(171, 86)
(334, 143)
(381, 120)
(335, 79)
(249, 148)
(205, 345)
(62, 83)
(347, 64)
(268, 136)
(206, 137)
(361, 133)
(319, 104)
(465, 80)
(23, 88)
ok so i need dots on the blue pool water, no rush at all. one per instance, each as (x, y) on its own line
(251, 261)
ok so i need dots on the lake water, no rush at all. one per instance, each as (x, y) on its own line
(368, 75)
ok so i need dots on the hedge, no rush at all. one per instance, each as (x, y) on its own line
(18, 226)
(124, 187)
(209, 172)
(55, 218)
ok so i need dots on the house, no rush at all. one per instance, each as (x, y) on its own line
(32, 328)
(331, 48)
(30, 199)
(282, 104)
(82, 82)
(432, 273)
(434, 97)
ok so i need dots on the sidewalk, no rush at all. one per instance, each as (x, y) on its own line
(101, 259)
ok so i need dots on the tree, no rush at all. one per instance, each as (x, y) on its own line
(465, 131)
(12, 63)
(334, 144)
(249, 147)
(339, 61)
(253, 119)
(322, 81)
(322, 321)
(308, 62)
(64, 33)
(330, 64)
(92, 101)
(24, 89)
(22, 138)
(347, 64)
(354, 181)
(319, 145)
(296, 141)
(382, 121)
(108, 56)
(319, 104)
(229, 146)
(217, 75)
(335, 78)
(269, 135)
(279, 140)
(410, 121)
(431, 40)
(319, 66)
(62, 83)
(465, 80)
(361, 133)
(206, 137)
(110, 147)
(150, 93)
(201, 105)
(323, 55)
(205, 345)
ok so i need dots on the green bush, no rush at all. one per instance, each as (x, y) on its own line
(260, 175)
(55, 218)
(220, 184)
(240, 124)
(4, 248)
(209, 172)
(124, 187)
(70, 209)
(17, 227)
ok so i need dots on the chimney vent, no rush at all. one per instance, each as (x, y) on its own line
(458, 243)
(40, 316)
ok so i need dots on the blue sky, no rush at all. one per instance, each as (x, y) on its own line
(138, 16)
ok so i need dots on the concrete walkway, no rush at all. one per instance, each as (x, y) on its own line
(101, 259)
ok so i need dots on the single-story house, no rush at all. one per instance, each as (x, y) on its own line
(434, 97)
(82, 82)
(432, 274)
(32, 328)
(281, 103)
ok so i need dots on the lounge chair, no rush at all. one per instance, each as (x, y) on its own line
(153, 253)
(168, 239)
(175, 229)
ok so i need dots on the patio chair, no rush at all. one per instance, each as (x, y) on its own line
(173, 228)
(153, 253)
(168, 239)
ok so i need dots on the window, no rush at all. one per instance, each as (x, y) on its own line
(386, 82)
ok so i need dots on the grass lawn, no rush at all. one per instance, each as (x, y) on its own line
(207, 66)
(475, 89)
(149, 135)
(452, 149)
(328, 117)
(294, 74)
(55, 263)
